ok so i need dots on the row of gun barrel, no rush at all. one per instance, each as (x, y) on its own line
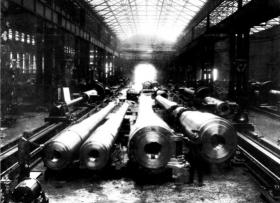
(150, 144)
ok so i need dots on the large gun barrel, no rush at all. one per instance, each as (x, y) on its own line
(59, 152)
(201, 94)
(221, 108)
(150, 145)
(217, 136)
(95, 152)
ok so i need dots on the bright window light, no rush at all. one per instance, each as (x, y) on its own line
(144, 72)
(215, 74)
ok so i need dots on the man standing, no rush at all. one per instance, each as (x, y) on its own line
(196, 160)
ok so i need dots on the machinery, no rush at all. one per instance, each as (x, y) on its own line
(60, 112)
(29, 191)
(150, 145)
(150, 84)
(132, 94)
(203, 99)
(85, 97)
(217, 135)
(264, 94)
(95, 152)
(59, 152)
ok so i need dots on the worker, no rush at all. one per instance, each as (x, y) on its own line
(196, 161)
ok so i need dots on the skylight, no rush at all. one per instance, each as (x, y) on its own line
(164, 19)
(265, 25)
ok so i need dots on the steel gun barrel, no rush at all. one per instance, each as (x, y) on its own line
(95, 152)
(222, 108)
(150, 145)
(217, 136)
(59, 152)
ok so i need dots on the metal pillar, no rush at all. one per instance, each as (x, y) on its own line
(239, 54)
(59, 58)
(84, 61)
(49, 63)
(39, 36)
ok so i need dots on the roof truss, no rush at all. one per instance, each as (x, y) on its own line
(162, 18)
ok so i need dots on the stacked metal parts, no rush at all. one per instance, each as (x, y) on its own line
(150, 145)
(217, 136)
(95, 152)
(59, 152)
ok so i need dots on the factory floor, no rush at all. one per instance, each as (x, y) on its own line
(266, 126)
(76, 185)
(221, 186)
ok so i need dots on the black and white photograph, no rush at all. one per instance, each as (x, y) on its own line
(140, 101)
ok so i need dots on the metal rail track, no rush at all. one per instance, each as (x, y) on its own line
(266, 111)
(14, 142)
(263, 163)
(8, 158)
(35, 135)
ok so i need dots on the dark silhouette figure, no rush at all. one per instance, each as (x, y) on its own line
(196, 162)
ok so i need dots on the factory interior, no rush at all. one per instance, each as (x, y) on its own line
(140, 101)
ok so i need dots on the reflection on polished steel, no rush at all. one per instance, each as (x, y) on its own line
(59, 152)
(150, 144)
(95, 152)
(217, 136)
(189, 92)
(221, 108)
(275, 92)
(86, 95)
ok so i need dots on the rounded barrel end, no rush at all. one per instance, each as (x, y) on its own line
(56, 155)
(223, 109)
(94, 156)
(151, 147)
(219, 141)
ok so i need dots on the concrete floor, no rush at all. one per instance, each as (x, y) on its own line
(266, 126)
(222, 186)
